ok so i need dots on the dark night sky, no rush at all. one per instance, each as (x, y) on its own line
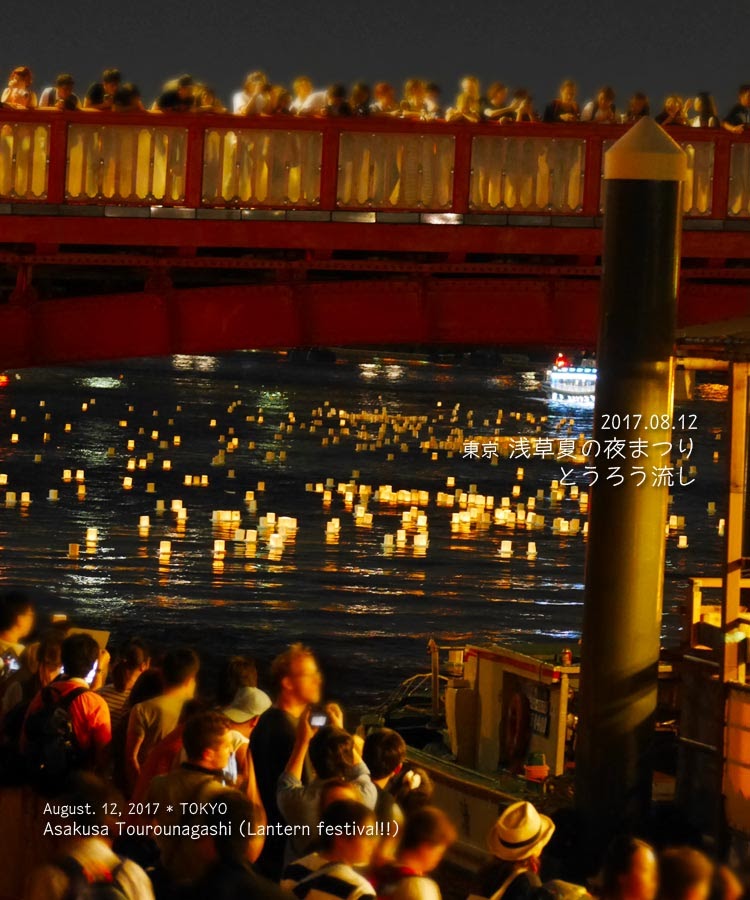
(655, 45)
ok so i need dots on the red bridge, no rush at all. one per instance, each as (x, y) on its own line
(146, 234)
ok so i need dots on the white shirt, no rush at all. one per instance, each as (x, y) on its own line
(317, 873)
(239, 101)
(312, 104)
(695, 122)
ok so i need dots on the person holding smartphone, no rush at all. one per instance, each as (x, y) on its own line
(299, 684)
(335, 757)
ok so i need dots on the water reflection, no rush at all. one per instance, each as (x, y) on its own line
(338, 594)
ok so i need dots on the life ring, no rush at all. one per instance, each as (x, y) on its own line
(516, 728)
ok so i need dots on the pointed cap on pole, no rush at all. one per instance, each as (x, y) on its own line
(646, 153)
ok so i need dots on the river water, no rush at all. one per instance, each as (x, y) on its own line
(367, 612)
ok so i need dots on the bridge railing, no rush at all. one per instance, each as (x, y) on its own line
(380, 165)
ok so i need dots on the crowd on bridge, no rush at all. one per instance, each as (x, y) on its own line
(421, 100)
(121, 778)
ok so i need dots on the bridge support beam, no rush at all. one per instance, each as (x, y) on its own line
(24, 292)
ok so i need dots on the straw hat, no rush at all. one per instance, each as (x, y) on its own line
(520, 832)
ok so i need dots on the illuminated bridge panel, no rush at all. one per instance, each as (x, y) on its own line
(253, 167)
(697, 191)
(126, 163)
(527, 174)
(24, 153)
(395, 171)
(739, 181)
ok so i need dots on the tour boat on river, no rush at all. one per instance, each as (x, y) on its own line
(565, 380)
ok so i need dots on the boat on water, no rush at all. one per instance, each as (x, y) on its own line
(496, 724)
(569, 379)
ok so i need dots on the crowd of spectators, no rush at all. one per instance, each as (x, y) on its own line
(126, 779)
(420, 100)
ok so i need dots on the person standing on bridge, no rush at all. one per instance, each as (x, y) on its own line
(497, 108)
(706, 115)
(638, 107)
(673, 113)
(360, 99)
(737, 119)
(468, 106)
(101, 94)
(177, 97)
(60, 96)
(307, 101)
(564, 108)
(18, 94)
(602, 110)
(412, 104)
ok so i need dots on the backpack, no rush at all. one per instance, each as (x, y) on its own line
(82, 889)
(51, 752)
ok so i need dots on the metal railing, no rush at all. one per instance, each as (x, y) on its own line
(378, 164)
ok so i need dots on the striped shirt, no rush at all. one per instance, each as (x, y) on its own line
(115, 700)
(315, 878)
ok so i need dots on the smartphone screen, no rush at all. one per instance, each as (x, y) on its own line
(318, 720)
